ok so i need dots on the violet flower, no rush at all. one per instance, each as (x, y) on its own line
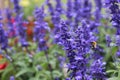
(108, 40)
(19, 23)
(40, 29)
(17, 8)
(11, 28)
(115, 11)
(86, 10)
(12, 78)
(77, 46)
(98, 69)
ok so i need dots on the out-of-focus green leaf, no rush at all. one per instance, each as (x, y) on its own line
(23, 71)
(114, 78)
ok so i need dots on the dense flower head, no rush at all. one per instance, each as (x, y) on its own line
(77, 45)
(98, 69)
(77, 35)
(77, 42)
(118, 53)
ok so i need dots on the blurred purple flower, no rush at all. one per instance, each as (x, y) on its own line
(115, 11)
(40, 29)
(77, 5)
(17, 8)
(20, 24)
(77, 47)
(50, 7)
(58, 7)
(3, 36)
(117, 40)
(86, 10)
(108, 40)
(12, 78)
(11, 28)
(118, 53)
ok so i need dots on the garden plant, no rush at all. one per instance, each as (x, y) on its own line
(60, 40)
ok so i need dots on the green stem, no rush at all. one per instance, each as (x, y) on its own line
(49, 65)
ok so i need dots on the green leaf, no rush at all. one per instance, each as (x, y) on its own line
(119, 74)
(57, 73)
(7, 72)
(23, 71)
(111, 71)
(114, 78)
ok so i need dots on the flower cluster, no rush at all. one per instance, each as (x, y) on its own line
(115, 11)
(77, 45)
(76, 41)
(40, 29)
(19, 24)
(11, 28)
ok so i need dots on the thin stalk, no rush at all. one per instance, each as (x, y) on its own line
(28, 51)
(49, 65)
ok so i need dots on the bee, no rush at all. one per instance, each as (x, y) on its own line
(94, 44)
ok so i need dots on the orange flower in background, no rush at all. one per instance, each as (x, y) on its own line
(2, 65)
(29, 31)
(1, 57)
(30, 26)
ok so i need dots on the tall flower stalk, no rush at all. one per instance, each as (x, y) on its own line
(19, 24)
(11, 28)
(40, 31)
(113, 6)
(78, 47)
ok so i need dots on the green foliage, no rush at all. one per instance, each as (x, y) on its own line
(24, 67)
